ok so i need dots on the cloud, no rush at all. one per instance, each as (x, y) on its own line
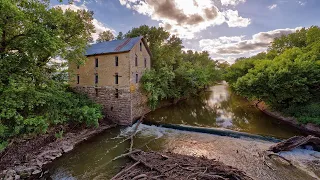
(232, 2)
(302, 3)
(234, 20)
(99, 26)
(237, 45)
(187, 17)
(272, 6)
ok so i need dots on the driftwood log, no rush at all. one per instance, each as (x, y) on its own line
(296, 141)
(156, 165)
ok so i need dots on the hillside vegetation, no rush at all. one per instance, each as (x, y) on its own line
(33, 92)
(286, 77)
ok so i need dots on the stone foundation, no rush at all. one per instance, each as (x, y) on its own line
(120, 105)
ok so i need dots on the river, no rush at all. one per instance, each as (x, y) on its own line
(217, 107)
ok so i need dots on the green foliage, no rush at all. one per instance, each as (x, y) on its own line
(174, 73)
(158, 85)
(59, 134)
(119, 36)
(238, 69)
(33, 95)
(3, 145)
(105, 36)
(306, 113)
(287, 77)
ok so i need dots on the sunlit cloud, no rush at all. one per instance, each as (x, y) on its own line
(187, 17)
(231, 2)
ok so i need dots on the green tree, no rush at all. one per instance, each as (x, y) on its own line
(297, 39)
(31, 98)
(105, 36)
(287, 77)
(119, 36)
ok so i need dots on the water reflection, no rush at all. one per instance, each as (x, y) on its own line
(219, 107)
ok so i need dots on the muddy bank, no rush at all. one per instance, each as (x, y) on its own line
(26, 158)
(308, 128)
(155, 165)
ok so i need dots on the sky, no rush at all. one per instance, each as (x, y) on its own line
(227, 29)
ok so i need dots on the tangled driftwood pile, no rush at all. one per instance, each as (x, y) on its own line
(155, 165)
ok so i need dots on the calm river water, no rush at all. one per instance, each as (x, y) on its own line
(217, 107)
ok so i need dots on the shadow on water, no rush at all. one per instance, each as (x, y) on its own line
(219, 107)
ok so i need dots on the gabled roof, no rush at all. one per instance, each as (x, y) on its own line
(115, 46)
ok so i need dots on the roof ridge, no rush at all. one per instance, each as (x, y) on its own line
(122, 45)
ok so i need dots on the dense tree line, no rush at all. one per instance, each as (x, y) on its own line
(174, 73)
(286, 77)
(33, 95)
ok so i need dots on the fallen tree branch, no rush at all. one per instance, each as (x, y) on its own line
(146, 164)
(139, 176)
(155, 165)
(209, 176)
(134, 132)
(126, 154)
(124, 171)
(273, 154)
(294, 142)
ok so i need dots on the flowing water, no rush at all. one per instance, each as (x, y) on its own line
(219, 107)
(215, 108)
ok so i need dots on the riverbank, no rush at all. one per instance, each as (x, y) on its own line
(308, 128)
(248, 155)
(26, 158)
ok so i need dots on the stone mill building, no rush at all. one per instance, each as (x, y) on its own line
(111, 77)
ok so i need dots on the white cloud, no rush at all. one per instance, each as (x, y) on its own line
(272, 6)
(187, 17)
(232, 2)
(238, 46)
(209, 43)
(99, 26)
(302, 3)
(234, 20)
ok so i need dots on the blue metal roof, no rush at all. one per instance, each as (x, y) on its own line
(114, 46)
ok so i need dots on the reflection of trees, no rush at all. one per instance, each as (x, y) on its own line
(192, 111)
(232, 112)
(242, 114)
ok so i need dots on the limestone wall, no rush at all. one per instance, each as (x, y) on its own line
(139, 103)
(115, 108)
(120, 105)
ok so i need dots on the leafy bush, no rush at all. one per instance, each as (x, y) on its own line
(26, 108)
(289, 80)
(305, 113)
